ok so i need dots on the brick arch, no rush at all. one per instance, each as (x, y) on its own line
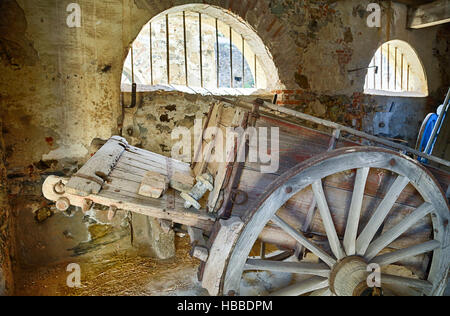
(255, 15)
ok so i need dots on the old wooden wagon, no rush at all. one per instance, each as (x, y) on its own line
(341, 205)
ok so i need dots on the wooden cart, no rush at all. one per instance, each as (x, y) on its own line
(336, 209)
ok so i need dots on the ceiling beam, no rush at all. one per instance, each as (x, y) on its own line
(431, 14)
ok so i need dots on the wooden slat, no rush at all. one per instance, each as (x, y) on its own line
(222, 168)
(380, 214)
(408, 282)
(226, 236)
(327, 220)
(399, 255)
(355, 211)
(180, 176)
(307, 286)
(157, 158)
(385, 239)
(90, 178)
(170, 207)
(288, 267)
(303, 241)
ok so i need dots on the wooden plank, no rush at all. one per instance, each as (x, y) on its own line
(180, 177)
(386, 238)
(343, 128)
(224, 241)
(354, 214)
(304, 242)
(402, 254)
(289, 267)
(90, 178)
(157, 158)
(204, 152)
(223, 167)
(157, 208)
(153, 185)
(380, 214)
(307, 286)
(119, 173)
(327, 220)
(430, 14)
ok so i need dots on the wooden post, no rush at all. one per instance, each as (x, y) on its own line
(388, 67)
(167, 49)
(395, 69)
(381, 67)
(231, 58)
(201, 48)
(217, 53)
(151, 55)
(401, 75)
(185, 50)
(256, 74)
(243, 62)
(132, 65)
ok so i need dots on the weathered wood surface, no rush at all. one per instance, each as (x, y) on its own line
(430, 14)
(122, 194)
(153, 185)
(225, 238)
(300, 143)
(138, 162)
(303, 176)
(90, 178)
(219, 170)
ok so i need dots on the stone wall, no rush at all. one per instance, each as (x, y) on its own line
(60, 94)
(6, 233)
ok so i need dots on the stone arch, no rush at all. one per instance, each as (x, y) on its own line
(414, 74)
(253, 14)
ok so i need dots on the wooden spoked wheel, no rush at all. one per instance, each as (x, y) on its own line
(342, 263)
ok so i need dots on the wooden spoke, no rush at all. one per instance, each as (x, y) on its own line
(281, 256)
(380, 214)
(425, 286)
(396, 231)
(310, 285)
(289, 267)
(355, 211)
(406, 253)
(327, 220)
(304, 241)
(322, 292)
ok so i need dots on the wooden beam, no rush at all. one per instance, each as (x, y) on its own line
(431, 14)
(318, 269)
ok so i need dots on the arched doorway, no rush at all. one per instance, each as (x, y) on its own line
(198, 48)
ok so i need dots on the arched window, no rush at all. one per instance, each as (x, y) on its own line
(197, 48)
(396, 70)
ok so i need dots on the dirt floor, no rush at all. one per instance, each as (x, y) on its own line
(136, 276)
(120, 275)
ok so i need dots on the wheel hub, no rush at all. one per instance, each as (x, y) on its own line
(349, 277)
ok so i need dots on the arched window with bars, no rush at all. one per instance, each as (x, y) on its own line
(396, 70)
(193, 51)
